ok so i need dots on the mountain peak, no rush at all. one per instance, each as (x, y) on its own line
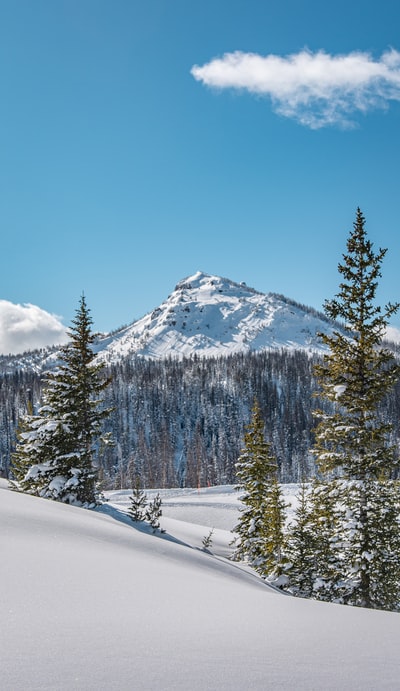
(209, 315)
(204, 281)
(193, 281)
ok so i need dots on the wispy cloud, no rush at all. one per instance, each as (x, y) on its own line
(26, 327)
(316, 89)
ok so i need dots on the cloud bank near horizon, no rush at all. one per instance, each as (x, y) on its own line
(27, 327)
(315, 89)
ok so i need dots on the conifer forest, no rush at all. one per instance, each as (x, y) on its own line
(182, 422)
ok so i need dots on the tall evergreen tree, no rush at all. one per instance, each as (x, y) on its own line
(57, 446)
(259, 532)
(352, 443)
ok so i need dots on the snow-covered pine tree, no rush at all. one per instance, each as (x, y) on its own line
(56, 447)
(352, 442)
(300, 547)
(259, 533)
(326, 516)
(138, 506)
(154, 512)
(373, 543)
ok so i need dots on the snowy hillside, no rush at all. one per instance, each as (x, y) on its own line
(90, 602)
(213, 316)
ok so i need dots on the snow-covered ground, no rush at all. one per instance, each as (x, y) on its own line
(190, 514)
(91, 601)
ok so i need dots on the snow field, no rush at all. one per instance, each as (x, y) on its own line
(89, 601)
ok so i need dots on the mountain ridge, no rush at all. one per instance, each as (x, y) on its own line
(206, 315)
(209, 315)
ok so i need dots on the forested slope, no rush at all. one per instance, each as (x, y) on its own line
(181, 422)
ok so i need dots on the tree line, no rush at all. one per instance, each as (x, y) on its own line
(182, 423)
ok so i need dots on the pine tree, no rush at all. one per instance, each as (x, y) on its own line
(314, 542)
(301, 545)
(352, 442)
(57, 446)
(154, 512)
(137, 510)
(373, 544)
(325, 522)
(259, 532)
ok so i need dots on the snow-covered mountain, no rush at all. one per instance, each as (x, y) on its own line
(204, 315)
(213, 316)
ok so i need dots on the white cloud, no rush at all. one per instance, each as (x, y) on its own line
(316, 89)
(392, 334)
(26, 327)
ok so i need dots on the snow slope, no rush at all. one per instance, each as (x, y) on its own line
(212, 316)
(90, 602)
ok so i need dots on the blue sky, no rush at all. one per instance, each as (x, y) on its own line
(123, 169)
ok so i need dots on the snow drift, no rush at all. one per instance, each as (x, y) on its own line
(89, 602)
